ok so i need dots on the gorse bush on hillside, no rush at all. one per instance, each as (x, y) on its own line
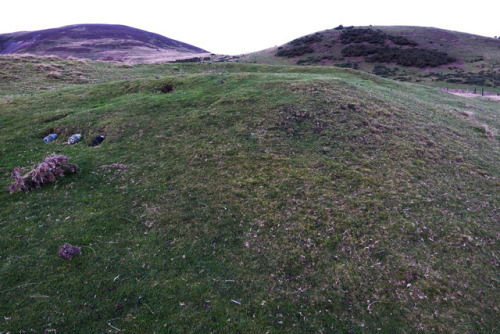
(300, 46)
(363, 35)
(404, 57)
(411, 57)
(372, 37)
(45, 172)
(307, 40)
(295, 51)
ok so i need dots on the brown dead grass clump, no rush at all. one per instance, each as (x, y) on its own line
(54, 75)
(46, 171)
(467, 114)
(43, 67)
(486, 130)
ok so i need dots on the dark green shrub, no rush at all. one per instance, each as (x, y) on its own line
(362, 36)
(404, 57)
(295, 51)
(475, 80)
(377, 37)
(384, 71)
(307, 40)
(411, 57)
(348, 64)
(400, 40)
(188, 60)
(359, 50)
(308, 61)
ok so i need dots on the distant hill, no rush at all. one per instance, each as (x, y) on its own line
(99, 42)
(398, 52)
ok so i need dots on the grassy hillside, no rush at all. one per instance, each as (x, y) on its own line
(404, 53)
(254, 198)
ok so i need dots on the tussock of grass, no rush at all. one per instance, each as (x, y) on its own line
(318, 199)
(486, 130)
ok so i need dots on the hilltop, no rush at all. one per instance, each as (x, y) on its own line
(231, 197)
(99, 42)
(417, 54)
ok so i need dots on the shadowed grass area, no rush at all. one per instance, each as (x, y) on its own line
(255, 199)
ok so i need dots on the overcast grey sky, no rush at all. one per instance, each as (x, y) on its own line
(234, 27)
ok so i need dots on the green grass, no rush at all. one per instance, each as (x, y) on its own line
(256, 198)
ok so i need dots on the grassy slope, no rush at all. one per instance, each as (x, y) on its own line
(474, 54)
(318, 198)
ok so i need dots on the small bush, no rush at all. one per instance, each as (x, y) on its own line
(307, 40)
(348, 64)
(400, 40)
(295, 51)
(404, 57)
(363, 35)
(360, 50)
(45, 172)
(384, 71)
(372, 37)
(189, 60)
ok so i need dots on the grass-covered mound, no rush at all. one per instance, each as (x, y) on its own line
(250, 199)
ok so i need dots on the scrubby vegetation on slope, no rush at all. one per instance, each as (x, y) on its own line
(409, 52)
(404, 57)
(372, 45)
(255, 198)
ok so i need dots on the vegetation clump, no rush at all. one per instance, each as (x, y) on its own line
(315, 60)
(307, 40)
(384, 71)
(46, 172)
(363, 35)
(412, 57)
(487, 78)
(405, 57)
(189, 60)
(300, 46)
(348, 64)
(295, 51)
(361, 50)
(366, 35)
(400, 40)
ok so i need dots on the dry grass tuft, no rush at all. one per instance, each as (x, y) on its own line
(54, 75)
(467, 113)
(486, 130)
